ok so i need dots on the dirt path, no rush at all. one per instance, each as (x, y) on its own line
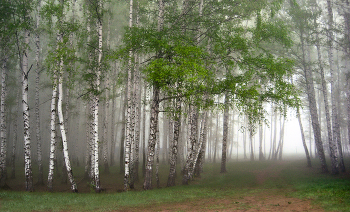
(271, 172)
(258, 202)
(266, 200)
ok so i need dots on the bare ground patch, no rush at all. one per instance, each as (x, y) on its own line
(257, 202)
(264, 200)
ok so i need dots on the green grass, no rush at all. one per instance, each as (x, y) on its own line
(332, 192)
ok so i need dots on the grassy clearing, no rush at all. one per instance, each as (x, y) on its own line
(242, 180)
(331, 192)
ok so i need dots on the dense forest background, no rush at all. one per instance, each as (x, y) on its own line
(133, 84)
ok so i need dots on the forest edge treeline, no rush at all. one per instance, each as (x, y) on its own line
(189, 58)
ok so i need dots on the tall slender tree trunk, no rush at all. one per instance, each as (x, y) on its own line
(216, 138)
(88, 141)
(25, 105)
(251, 146)
(105, 116)
(157, 158)
(337, 126)
(333, 145)
(37, 102)
(203, 139)
(123, 133)
(303, 140)
(95, 102)
(166, 136)
(326, 105)
(346, 15)
(3, 125)
(281, 142)
(261, 133)
(152, 138)
(224, 135)
(174, 143)
(106, 108)
(192, 141)
(52, 135)
(310, 91)
(112, 150)
(129, 130)
(137, 102)
(245, 139)
(144, 133)
(271, 133)
(154, 116)
(14, 140)
(63, 131)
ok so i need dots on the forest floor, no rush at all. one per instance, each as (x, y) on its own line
(247, 186)
(262, 200)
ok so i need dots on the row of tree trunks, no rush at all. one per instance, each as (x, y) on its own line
(336, 146)
(310, 90)
(346, 14)
(326, 105)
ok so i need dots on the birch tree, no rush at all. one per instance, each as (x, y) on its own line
(129, 130)
(337, 147)
(154, 113)
(25, 107)
(304, 140)
(3, 125)
(174, 143)
(63, 133)
(37, 102)
(53, 143)
(56, 65)
(224, 135)
(310, 90)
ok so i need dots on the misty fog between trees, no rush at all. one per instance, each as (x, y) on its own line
(132, 84)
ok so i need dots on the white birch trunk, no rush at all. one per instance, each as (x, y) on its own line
(225, 135)
(87, 174)
(333, 144)
(192, 139)
(112, 151)
(27, 144)
(137, 111)
(198, 159)
(144, 131)
(157, 157)
(95, 107)
(105, 130)
(52, 135)
(129, 134)
(37, 102)
(303, 139)
(3, 127)
(14, 140)
(324, 90)
(63, 133)
(310, 90)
